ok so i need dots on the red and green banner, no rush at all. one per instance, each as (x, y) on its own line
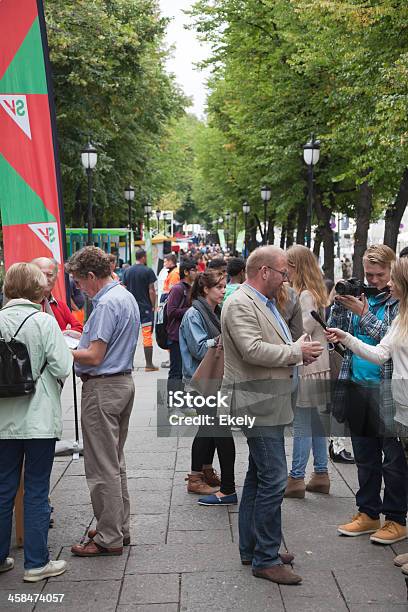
(30, 198)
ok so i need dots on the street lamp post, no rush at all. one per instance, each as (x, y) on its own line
(227, 218)
(148, 212)
(234, 246)
(89, 158)
(158, 213)
(165, 219)
(338, 236)
(311, 155)
(266, 196)
(129, 197)
(246, 210)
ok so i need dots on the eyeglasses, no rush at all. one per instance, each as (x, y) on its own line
(283, 273)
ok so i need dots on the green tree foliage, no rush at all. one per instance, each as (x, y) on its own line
(285, 68)
(173, 168)
(108, 62)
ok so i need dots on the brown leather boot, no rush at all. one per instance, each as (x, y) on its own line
(319, 483)
(295, 488)
(211, 477)
(197, 484)
(281, 574)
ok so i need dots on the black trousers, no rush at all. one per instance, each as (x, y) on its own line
(378, 457)
(175, 377)
(176, 363)
(208, 439)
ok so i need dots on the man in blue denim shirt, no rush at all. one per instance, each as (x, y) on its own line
(104, 362)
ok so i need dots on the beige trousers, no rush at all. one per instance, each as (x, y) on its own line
(105, 412)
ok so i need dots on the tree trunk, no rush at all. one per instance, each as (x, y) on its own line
(363, 215)
(326, 235)
(283, 237)
(271, 228)
(252, 229)
(394, 213)
(317, 242)
(328, 244)
(301, 225)
(290, 230)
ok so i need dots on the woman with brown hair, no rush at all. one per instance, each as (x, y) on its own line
(307, 280)
(201, 329)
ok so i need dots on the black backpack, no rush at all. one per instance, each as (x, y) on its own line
(161, 322)
(161, 325)
(16, 377)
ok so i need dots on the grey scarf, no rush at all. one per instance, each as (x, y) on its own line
(211, 319)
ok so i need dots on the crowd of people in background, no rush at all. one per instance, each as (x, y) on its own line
(262, 315)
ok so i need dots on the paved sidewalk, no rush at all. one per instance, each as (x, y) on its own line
(184, 557)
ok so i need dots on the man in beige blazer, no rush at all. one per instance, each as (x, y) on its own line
(259, 378)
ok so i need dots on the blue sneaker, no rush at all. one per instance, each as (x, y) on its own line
(213, 500)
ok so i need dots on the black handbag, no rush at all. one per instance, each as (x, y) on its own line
(16, 377)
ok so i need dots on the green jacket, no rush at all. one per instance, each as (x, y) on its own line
(37, 415)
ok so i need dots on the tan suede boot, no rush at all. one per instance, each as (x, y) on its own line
(295, 488)
(197, 484)
(319, 483)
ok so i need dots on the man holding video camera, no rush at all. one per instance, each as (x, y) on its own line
(367, 313)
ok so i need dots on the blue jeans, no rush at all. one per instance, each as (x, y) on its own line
(260, 531)
(372, 468)
(305, 427)
(39, 457)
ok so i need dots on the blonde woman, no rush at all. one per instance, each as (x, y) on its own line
(307, 281)
(31, 424)
(393, 346)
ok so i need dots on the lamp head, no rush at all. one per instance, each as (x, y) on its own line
(130, 193)
(89, 156)
(311, 151)
(266, 193)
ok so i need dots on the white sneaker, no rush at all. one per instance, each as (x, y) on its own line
(7, 565)
(53, 568)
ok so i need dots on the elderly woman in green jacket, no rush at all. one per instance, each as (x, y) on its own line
(30, 425)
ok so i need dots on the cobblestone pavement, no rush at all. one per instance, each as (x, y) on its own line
(184, 557)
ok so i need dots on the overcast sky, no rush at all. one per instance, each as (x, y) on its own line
(188, 50)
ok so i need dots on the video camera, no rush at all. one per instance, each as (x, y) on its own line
(356, 287)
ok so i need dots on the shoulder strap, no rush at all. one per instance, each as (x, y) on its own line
(26, 319)
(21, 325)
(183, 297)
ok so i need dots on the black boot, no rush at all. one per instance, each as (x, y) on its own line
(148, 351)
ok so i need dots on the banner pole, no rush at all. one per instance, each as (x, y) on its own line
(53, 117)
(75, 454)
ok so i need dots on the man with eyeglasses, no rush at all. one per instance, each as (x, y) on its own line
(259, 377)
(52, 306)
